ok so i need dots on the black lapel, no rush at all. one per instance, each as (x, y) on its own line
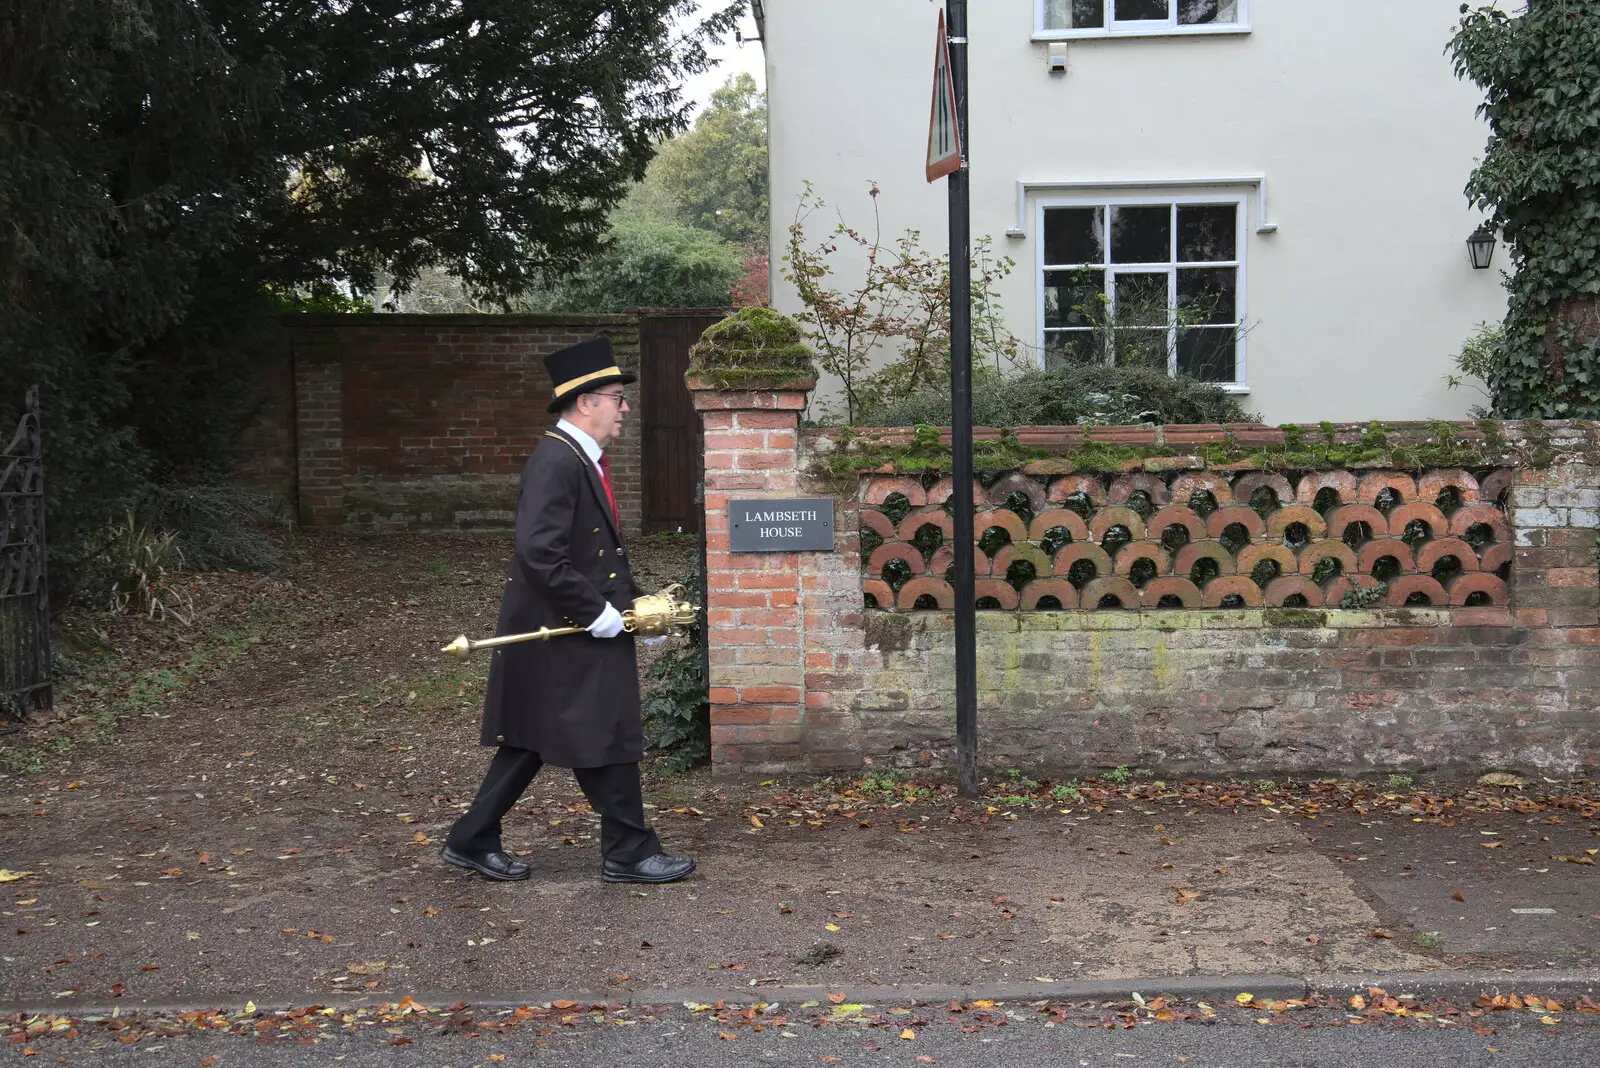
(595, 487)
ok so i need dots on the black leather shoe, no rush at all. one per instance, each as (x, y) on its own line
(497, 866)
(661, 868)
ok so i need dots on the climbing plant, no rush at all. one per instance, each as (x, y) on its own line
(1540, 182)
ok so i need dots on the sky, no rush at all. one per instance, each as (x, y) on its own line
(734, 58)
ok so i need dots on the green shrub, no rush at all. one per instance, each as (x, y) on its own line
(130, 570)
(1091, 396)
(218, 526)
(677, 707)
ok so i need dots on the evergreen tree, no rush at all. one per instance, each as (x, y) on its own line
(166, 166)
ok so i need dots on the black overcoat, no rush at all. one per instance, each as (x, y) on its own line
(574, 700)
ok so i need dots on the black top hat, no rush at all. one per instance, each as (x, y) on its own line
(582, 368)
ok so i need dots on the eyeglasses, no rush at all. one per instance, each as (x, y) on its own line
(618, 397)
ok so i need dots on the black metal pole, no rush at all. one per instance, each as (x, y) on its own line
(961, 418)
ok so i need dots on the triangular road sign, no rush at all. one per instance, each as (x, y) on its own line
(944, 136)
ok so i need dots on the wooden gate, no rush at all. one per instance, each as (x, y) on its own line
(24, 592)
(670, 464)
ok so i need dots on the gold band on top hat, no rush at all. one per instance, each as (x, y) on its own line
(568, 387)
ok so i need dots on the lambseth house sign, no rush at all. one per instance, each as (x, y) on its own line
(778, 525)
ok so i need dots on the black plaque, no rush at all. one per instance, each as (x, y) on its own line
(780, 525)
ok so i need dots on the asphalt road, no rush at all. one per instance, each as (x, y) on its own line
(678, 1039)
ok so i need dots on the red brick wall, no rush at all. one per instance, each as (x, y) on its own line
(421, 422)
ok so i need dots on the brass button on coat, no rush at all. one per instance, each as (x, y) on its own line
(500, 738)
(612, 575)
(602, 552)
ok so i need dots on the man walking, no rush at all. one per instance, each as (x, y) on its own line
(571, 701)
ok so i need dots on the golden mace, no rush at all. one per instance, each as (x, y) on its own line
(652, 614)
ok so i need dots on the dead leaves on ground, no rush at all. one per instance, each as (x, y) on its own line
(853, 800)
(315, 1023)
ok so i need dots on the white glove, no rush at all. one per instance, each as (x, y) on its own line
(609, 625)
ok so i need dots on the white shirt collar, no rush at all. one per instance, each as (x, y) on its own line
(591, 448)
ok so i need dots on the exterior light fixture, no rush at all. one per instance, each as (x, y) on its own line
(1480, 246)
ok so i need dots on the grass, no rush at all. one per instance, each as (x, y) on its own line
(1430, 940)
(457, 685)
(1399, 782)
(105, 696)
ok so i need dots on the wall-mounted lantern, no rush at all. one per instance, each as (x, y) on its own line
(1480, 246)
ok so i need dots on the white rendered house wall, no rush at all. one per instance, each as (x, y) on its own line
(1339, 130)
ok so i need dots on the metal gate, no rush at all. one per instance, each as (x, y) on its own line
(670, 463)
(24, 595)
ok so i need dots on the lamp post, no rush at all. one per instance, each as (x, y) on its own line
(961, 419)
(1480, 247)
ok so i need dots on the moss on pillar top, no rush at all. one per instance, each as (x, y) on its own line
(754, 348)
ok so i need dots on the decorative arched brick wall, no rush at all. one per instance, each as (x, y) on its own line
(1177, 652)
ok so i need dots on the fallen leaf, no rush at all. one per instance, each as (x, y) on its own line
(171, 871)
(1244, 999)
(563, 1004)
(836, 998)
(1381, 934)
(1313, 939)
(419, 837)
(1357, 1001)
(1501, 778)
(908, 1034)
(756, 821)
(1457, 896)
(830, 927)
(925, 1059)
(7, 876)
(726, 1037)
(430, 911)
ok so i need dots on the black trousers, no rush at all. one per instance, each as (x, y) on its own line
(612, 790)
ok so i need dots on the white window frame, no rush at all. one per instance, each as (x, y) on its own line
(1240, 203)
(1168, 27)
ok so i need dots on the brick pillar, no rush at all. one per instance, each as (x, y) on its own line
(1556, 515)
(757, 679)
(319, 428)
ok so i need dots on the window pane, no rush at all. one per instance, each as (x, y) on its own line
(1074, 235)
(1141, 10)
(1208, 295)
(1207, 234)
(1141, 348)
(1207, 353)
(1073, 298)
(1141, 299)
(1074, 14)
(1198, 12)
(1064, 348)
(1141, 235)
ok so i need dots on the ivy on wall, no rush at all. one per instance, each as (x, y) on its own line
(1540, 182)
